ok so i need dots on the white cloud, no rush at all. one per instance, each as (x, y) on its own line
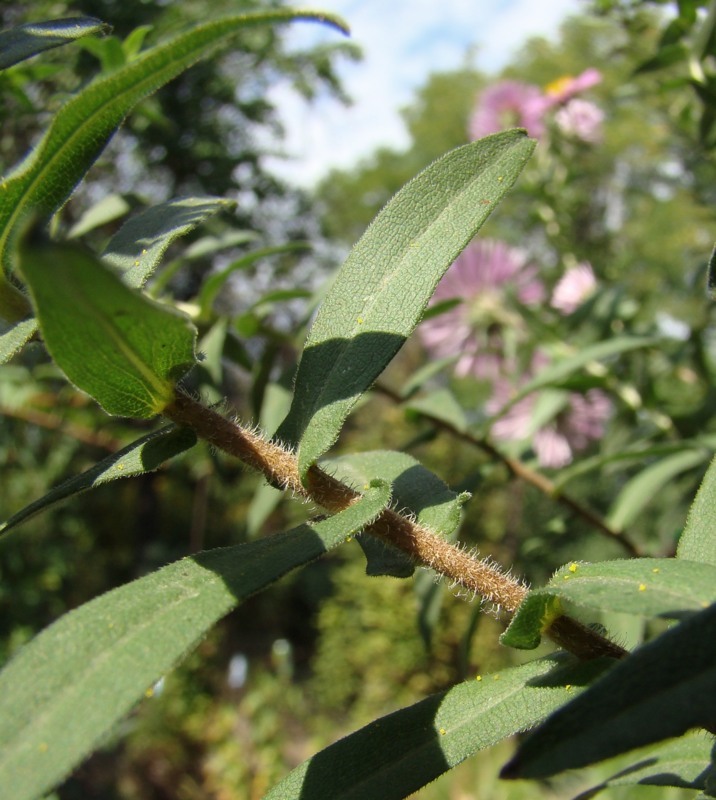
(403, 41)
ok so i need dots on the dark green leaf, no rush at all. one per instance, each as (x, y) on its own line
(660, 691)
(120, 347)
(65, 690)
(398, 754)
(26, 41)
(144, 455)
(386, 282)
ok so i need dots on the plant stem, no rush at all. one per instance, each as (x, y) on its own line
(280, 468)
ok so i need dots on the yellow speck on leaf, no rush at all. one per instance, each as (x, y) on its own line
(149, 692)
(573, 567)
(656, 570)
(442, 731)
(360, 320)
(568, 687)
(478, 677)
(642, 587)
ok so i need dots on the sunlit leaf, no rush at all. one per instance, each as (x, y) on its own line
(398, 754)
(120, 347)
(662, 690)
(386, 282)
(65, 690)
(25, 41)
(698, 541)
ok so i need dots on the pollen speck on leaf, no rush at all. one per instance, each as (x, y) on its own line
(573, 567)
(642, 587)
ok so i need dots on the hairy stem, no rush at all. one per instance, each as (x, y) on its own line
(280, 468)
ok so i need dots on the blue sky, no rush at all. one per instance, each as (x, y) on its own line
(403, 41)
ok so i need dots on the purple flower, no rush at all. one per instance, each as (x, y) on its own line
(573, 288)
(580, 422)
(565, 88)
(492, 279)
(509, 104)
(581, 120)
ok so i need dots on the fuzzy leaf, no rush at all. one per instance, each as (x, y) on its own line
(137, 248)
(386, 282)
(15, 338)
(663, 689)
(26, 41)
(649, 587)
(120, 347)
(698, 541)
(43, 181)
(144, 455)
(65, 690)
(398, 754)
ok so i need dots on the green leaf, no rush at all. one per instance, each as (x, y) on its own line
(698, 541)
(441, 405)
(643, 488)
(108, 209)
(120, 347)
(65, 690)
(683, 762)
(397, 754)
(137, 248)
(144, 455)
(25, 41)
(385, 284)
(214, 283)
(660, 691)
(83, 126)
(559, 370)
(650, 587)
(14, 339)
(416, 490)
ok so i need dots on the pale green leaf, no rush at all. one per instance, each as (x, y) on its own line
(65, 690)
(137, 248)
(108, 209)
(15, 338)
(144, 455)
(25, 41)
(120, 347)
(661, 690)
(649, 587)
(643, 488)
(698, 541)
(398, 754)
(385, 284)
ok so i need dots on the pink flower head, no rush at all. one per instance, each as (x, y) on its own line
(490, 277)
(581, 120)
(565, 88)
(573, 288)
(509, 104)
(581, 422)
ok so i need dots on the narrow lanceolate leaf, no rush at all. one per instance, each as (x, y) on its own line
(396, 755)
(26, 41)
(649, 587)
(66, 689)
(80, 130)
(698, 541)
(144, 455)
(683, 762)
(647, 485)
(661, 690)
(120, 347)
(137, 248)
(15, 338)
(386, 282)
